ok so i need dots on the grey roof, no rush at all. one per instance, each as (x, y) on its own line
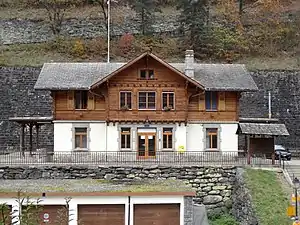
(56, 76)
(274, 129)
(227, 77)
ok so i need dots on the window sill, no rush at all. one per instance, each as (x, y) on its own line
(212, 150)
(211, 110)
(125, 150)
(147, 109)
(80, 109)
(80, 150)
(168, 150)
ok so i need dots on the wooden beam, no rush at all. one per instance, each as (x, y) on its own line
(30, 138)
(22, 140)
(37, 127)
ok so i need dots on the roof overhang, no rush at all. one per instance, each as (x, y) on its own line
(272, 129)
(102, 80)
(33, 119)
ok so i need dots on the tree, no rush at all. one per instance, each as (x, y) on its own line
(194, 20)
(56, 12)
(145, 9)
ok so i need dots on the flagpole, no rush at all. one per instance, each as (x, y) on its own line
(108, 29)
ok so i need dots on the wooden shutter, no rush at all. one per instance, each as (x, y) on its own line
(202, 102)
(221, 101)
(70, 100)
(91, 101)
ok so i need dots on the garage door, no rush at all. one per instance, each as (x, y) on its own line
(101, 214)
(158, 214)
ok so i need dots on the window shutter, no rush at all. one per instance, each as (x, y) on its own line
(91, 101)
(202, 102)
(70, 100)
(222, 101)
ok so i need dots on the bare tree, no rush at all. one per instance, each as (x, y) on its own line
(56, 12)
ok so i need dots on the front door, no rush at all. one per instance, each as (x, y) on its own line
(146, 145)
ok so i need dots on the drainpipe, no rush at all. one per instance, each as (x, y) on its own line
(129, 202)
(270, 110)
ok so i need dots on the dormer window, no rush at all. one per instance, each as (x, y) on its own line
(146, 74)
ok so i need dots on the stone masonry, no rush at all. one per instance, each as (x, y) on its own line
(213, 185)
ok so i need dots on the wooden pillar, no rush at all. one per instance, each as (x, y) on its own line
(22, 140)
(30, 138)
(273, 152)
(37, 127)
(248, 149)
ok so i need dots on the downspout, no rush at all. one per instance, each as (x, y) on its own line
(128, 217)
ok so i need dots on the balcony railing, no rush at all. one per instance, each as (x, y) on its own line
(198, 158)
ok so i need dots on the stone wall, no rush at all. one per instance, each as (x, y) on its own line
(17, 99)
(188, 211)
(213, 185)
(30, 31)
(242, 207)
(285, 92)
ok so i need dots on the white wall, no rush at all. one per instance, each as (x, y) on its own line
(98, 136)
(63, 136)
(229, 138)
(75, 201)
(180, 136)
(112, 137)
(194, 137)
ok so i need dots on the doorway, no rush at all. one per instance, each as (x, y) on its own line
(146, 145)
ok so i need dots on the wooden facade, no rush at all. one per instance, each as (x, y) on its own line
(103, 102)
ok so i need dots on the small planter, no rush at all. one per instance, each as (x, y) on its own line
(124, 108)
(166, 109)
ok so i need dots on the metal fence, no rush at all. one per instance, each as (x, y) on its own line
(135, 158)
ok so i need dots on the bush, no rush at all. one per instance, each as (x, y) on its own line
(224, 219)
(78, 49)
(126, 43)
(97, 46)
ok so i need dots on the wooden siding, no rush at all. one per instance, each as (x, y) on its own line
(104, 103)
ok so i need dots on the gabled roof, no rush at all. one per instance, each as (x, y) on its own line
(84, 76)
(274, 129)
(146, 54)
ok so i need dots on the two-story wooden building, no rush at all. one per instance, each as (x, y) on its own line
(146, 105)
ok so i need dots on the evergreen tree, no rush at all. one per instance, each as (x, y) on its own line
(145, 10)
(194, 20)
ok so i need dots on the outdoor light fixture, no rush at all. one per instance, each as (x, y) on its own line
(296, 183)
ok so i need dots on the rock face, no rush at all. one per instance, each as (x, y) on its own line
(242, 207)
(29, 31)
(216, 195)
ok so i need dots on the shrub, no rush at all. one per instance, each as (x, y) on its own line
(225, 219)
(126, 43)
(97, 46)
(78, 49)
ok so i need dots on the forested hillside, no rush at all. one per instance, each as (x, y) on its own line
(262, 33)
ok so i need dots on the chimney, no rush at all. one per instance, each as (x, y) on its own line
(189, 63)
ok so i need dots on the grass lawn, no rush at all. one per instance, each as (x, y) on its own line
(269, 199)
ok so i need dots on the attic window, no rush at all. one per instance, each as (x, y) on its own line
(146, 74)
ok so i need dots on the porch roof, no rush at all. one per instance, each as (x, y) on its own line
(31, 119)
(273, 129)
